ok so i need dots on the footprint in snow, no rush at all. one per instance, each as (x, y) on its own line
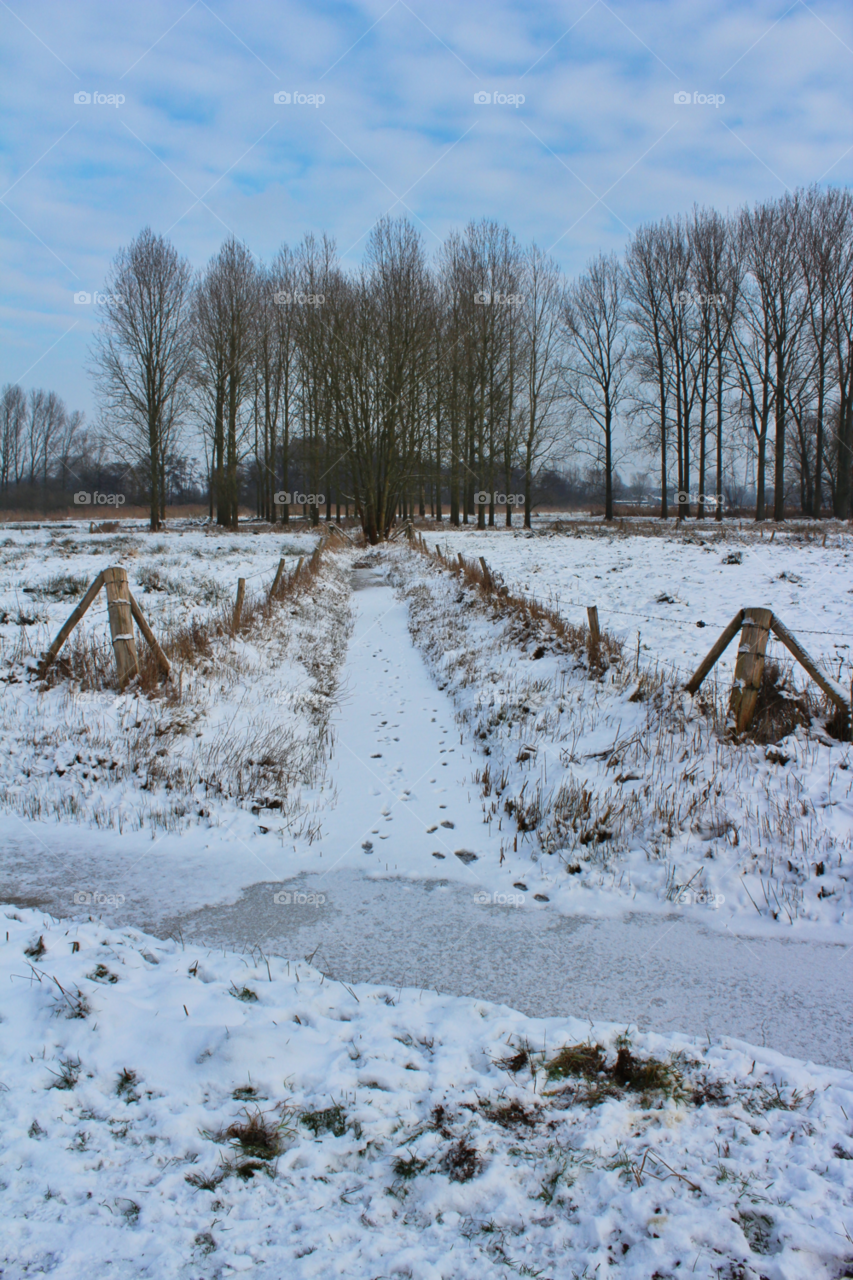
(430, 830)
(445, 822)
(540, 897)
(367, 845)
(466, 856)
(518, 884)
(438, 855)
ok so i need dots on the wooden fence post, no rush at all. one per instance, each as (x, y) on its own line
(749, 667)
(832, 690)
(68, 626)
(238, 604)
(277, 579)
(486, 573)
(594, 632)
(121, 624)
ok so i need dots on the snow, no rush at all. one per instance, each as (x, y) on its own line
(745, 1167)
(605, 854)
(625, 574)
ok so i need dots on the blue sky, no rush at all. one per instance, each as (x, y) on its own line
(199, 147)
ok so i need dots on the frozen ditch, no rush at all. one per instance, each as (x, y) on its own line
(662, 974)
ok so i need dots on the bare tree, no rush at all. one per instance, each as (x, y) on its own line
(596, 359)
(381, 327)
(226, 327)
(645, 291)
(13, 413)
(773, 315)
(143, 354)
(716, 274)
(541, 356)
(283, 282)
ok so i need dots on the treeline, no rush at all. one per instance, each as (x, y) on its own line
(720, 346)
(49, 458)
(40, 442)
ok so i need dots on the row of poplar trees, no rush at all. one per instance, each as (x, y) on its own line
(410, 384)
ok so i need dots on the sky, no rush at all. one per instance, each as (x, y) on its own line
(573, 123)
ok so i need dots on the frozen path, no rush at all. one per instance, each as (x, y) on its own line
(405, 798)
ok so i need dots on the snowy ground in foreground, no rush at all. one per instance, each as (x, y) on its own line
(416, 1135)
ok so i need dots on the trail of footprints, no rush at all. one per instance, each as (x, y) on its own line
(385, 735)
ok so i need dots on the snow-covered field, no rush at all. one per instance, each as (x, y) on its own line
(240, 720)
(172, 1112)
(386, 724)
(663, 585)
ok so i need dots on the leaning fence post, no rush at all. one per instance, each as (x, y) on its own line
(121, 624)
(277, 579)
(68, 626)
(832, 690)
(139, 618)
(486, 573)
(749, 667)
(238, 604)
(715, 652)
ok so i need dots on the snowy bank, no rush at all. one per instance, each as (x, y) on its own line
(167, 1111)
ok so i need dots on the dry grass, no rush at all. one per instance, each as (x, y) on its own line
(780, 707)
(255, 1137)
(645, 1076)
(462, 1162)
(327, 1120)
